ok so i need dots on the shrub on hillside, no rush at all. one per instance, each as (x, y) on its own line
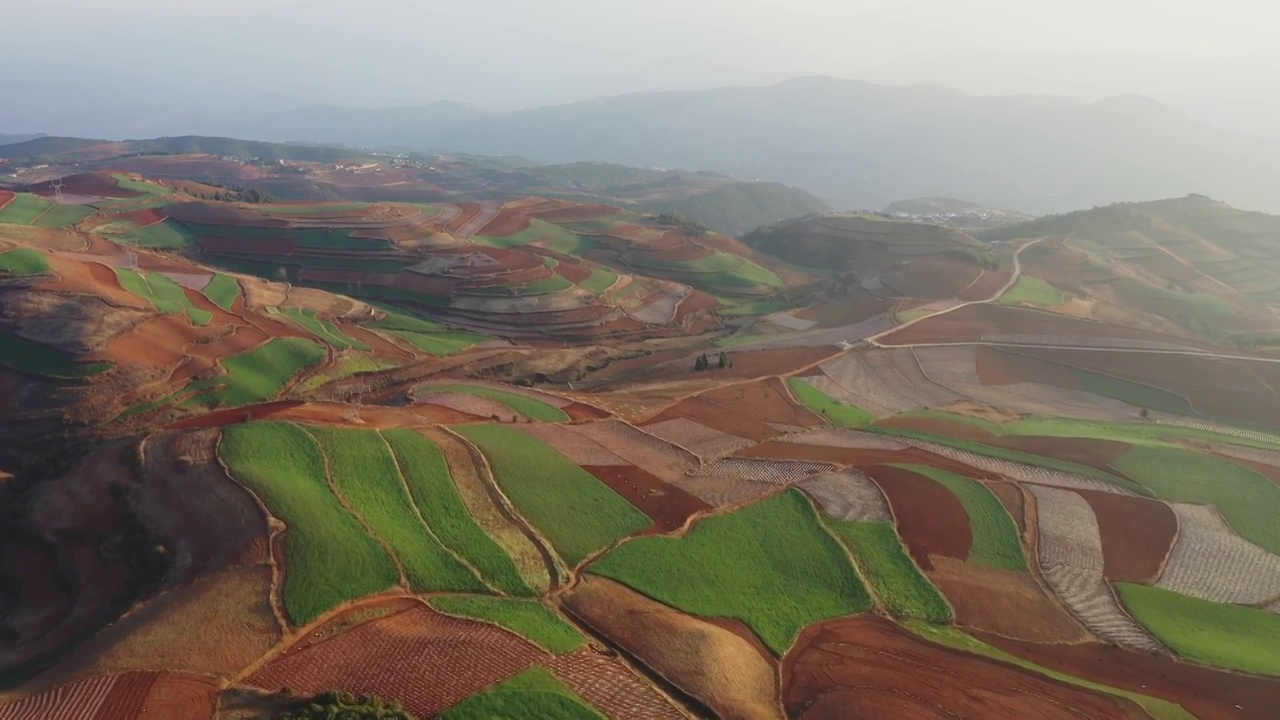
(339, 705)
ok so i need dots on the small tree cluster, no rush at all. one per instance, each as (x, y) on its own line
(704, 363)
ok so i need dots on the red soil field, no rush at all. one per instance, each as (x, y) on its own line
(868, 668)
(930, 518)
(127, 696)
(680, 254)
(180, 697)
(1003, 601)
(696, 302)
(667, 505)
(574, 272)
(744, 410)
(1000, 367)
(1208, 694)
(988, 284)
(1084, 451)
(611, 686)
(933, 277)
(93, 184)
(92, 278)
(5, 197)
(580, 411)
(158, 342)
(1137, 534)
(508, 222)
(859, 305)
(142, 218)
(427, 660)
(468, 212)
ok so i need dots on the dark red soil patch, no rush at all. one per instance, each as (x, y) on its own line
(424, 659)
(5, 197)
(506, 223)
(934, 277)
(667, 505)
(940, 426)
(998, 367)
(142, 218)
(93, 184)
(859, 305)
(573, 272)
(1007, 602)
(180, 697)
(930, 518)
(745, 410)
(582, 411)
(1206, 693)
(127, 696)
(222, 418)
(696, 302)
(985, 286)
(854, 457)
(1084, 451)
(867, 668)
(1137, 534)
(468, 212)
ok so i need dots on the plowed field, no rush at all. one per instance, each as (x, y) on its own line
(1003, 601)
(668, 506)
(867, 668)
(931, 519)
(1137, 535)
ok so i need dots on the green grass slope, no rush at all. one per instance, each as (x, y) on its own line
(995, 537)
(534, 693)
(365, 472)
(575, 511)
(770, 565)
(23, 355)
(22, 262)
(836, 412)
(438, 501)
(257, 375)
(329, 559)
(894, 578)
(531, 408)
(1228, 636)
(164, 294)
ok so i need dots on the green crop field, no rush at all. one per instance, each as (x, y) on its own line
(736, 307)
(1032, 291)
(23, 261)
(222, 291)
(721, 269)
(1136, 394)
(437, 499)
(23, 209)
(353, 364)
(770, 565)
(1249, 502)
(60, 216)
(579, 514)
(529, 407)
(329, 558)
(529, 619)
(23, 355)
(1229, 636)
(560, 239)
(599, 281)
(164, 294)
(534, 693)
(365, 472)
(257, 375)
(828, 407)
(427, 336)
(166, 234)
(323, 329)
(893, 577)
(954, 638)
(124, 182)
(995, 537)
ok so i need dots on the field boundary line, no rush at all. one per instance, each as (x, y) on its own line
(1168, 555)
(554, 563)
(342, 499)
(408, 496)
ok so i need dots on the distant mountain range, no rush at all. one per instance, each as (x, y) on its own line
(856, 145)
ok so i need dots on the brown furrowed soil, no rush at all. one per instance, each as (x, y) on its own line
(866, 667)
(1005, 602)
(667, 505)
(930, 518)
(864, 458)
(745, 410)
(1208, 694)
(127, 696)
(427, 660)
(713, 665)
(1137, 534)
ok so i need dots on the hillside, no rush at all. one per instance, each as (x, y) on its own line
(568, 460)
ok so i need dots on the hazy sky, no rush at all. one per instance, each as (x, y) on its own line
(143, 68)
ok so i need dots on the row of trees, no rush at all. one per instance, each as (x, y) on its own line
(704, 363)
